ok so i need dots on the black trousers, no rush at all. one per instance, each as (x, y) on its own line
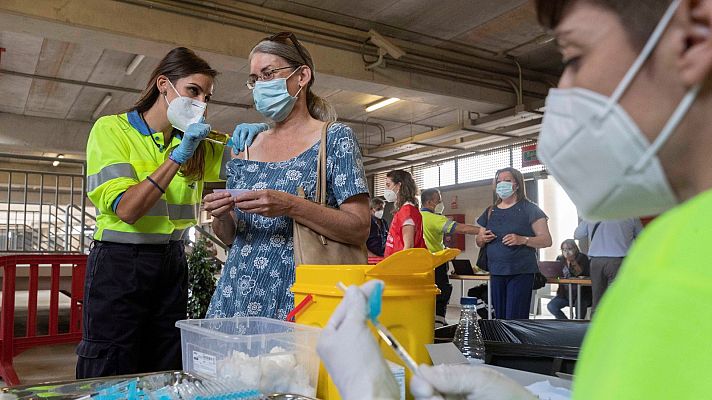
(443, 283)
(133, 296)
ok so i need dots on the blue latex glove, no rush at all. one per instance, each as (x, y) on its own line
(191, 139)
(245, 134)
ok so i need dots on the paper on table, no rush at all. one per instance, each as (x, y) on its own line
(445, 353)
(546, 391)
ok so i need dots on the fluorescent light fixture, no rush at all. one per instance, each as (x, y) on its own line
(381, 104)
(134, 64)
(101, 106)
(56, 162)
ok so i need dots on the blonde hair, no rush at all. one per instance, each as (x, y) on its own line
(286, 46)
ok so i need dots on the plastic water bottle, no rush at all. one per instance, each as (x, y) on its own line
(468, 337)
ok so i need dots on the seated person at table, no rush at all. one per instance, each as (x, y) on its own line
(574, 263)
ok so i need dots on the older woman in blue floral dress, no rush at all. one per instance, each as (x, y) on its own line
(260, 264)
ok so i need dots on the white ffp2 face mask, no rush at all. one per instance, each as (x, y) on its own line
(184, 111)
(598, 153)
(439, 208)
(378, 214)
(390, 196)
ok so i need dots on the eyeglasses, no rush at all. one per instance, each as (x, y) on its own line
(266, 75)
(281, 37)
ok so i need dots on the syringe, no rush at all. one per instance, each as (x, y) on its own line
(385, 334)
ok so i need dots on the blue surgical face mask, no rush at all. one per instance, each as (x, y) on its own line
(272, 99)
(504, 189)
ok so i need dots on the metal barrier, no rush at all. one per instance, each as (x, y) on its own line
(41, 209)
(65, 275)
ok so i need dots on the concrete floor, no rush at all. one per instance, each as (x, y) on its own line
(46, 364)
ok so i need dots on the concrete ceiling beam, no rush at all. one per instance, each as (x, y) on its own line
(39, 135)
(123, 27)
(449, 155)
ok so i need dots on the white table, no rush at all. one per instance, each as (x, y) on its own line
(525, 378)
(578, 282)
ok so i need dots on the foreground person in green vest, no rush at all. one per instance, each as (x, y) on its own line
(146, 170)
(628, 133)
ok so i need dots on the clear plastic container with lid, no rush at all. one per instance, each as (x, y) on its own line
(468, 337)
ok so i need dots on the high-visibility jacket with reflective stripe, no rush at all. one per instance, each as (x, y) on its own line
(118, 157)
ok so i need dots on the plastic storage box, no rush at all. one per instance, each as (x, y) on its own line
(265, 354)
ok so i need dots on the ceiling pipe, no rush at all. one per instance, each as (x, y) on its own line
(249, 16)
(106, 87)
(520, 96)
(397, 121)
(381, 128)
(452, 154)
(479, 134)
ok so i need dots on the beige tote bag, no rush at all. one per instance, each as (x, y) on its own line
(313, 248)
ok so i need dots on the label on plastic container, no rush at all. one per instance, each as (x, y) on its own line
(205, 364)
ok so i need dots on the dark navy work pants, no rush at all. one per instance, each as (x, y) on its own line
(133, 296)
(512, 295)
(443, 283)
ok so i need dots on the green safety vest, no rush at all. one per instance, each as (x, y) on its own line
(434, 227)
(118, 157)
(650, 336)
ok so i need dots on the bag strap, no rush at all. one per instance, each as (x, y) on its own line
(489, 213)
(594, 231)
(321, 167)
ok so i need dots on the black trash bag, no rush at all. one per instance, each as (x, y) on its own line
(540, 346)
(542, 332)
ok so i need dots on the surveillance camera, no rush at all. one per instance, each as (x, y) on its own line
(385, 45)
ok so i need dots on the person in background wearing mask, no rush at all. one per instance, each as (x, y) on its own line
(649, 338)
(573, 264)
(259, 269)
(435, 225)
(406, 230)
(514, 228)
(376, 242)
(609, 242)
(145, 175)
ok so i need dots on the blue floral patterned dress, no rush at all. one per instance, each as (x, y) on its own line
(259, 269)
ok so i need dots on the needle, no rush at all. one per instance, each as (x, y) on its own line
(390, 340)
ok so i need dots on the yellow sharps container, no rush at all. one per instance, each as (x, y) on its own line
(408, 309)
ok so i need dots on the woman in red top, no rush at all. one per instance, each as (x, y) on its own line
(407, 226)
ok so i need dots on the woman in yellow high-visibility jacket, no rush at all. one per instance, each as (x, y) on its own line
(145, 175)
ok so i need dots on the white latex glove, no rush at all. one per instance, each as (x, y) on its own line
(470, 382)
(350, 352)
